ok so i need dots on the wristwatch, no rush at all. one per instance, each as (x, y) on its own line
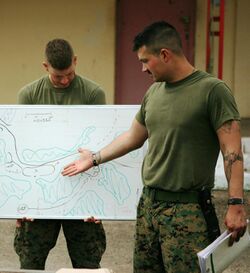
(236, 201)
(96, 159)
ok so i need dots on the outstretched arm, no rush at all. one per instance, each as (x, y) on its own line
(123, 144)
(230, 145)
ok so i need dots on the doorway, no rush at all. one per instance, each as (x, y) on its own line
(132, 16)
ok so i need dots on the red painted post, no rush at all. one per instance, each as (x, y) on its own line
(208, 49)
(221, 39)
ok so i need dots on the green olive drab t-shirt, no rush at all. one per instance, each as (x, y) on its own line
(80, 91)
(181, 119)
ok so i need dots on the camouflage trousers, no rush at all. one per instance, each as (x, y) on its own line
(168, 237)
(86, 242)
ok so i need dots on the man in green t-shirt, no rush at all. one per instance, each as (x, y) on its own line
(187, 116)
(86, 241)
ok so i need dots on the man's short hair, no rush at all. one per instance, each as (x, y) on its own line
(157, 36)
(59, 54)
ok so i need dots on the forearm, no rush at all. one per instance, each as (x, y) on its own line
(126, 142)
(233, 165)
(230, 145)
(122, 145)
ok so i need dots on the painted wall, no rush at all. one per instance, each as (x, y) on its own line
(26, 26)
(242, 57)
(236, 63)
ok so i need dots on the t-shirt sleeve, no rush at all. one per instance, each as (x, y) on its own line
(222, 106)
(141, 114)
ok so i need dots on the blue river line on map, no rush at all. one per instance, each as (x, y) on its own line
(31, 183)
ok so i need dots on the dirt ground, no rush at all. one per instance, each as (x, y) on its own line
(119, 253)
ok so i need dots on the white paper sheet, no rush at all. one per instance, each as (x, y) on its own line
(218, 255)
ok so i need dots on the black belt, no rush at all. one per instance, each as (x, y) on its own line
(172, 197)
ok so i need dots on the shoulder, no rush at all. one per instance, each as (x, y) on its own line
(27, 92)
(33, 85)
(219, 89)
(91, 90)
(87, 83)
(209, 80)
(155, 87)
(209, 86)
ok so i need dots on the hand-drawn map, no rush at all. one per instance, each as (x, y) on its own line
(36, 142)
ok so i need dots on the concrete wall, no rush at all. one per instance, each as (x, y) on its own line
(26, 26)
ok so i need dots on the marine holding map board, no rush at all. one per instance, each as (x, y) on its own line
(187, 116)
(86, 241)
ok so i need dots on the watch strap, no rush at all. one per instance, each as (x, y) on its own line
(236, 201)
(96, 159)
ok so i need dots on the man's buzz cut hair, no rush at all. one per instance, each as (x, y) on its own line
(157, 36)
(59, 54)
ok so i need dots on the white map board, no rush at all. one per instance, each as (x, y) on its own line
(37, 141)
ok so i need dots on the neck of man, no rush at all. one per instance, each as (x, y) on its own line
(180, 69)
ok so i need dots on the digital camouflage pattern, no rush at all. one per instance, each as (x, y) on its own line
(86, 242)
(168, 237)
